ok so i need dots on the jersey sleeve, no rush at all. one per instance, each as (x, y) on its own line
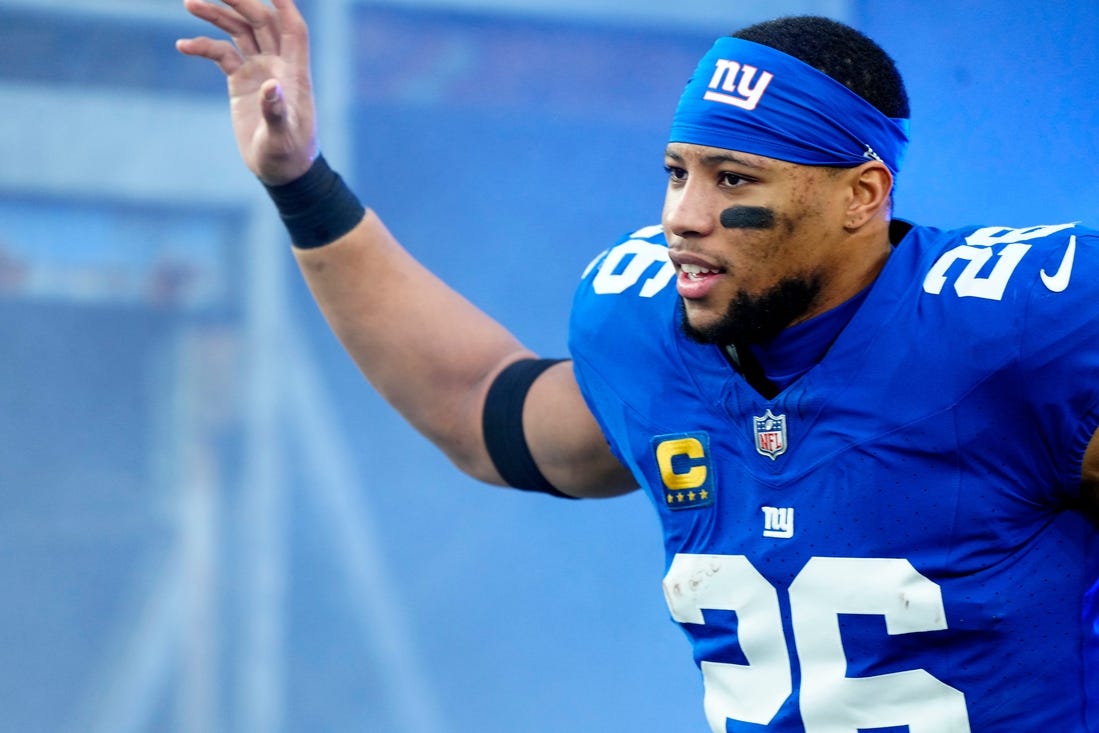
(1059, 346)
(618, 321)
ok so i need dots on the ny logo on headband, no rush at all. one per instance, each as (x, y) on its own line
(739, 93)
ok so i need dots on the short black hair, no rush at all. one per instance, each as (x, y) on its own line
(839, 51)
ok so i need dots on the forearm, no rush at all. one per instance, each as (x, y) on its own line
(427, 350)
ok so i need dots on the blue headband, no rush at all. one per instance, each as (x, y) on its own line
(748, 97)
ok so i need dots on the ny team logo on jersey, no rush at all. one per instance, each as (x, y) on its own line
(685, 469)
(778, 522)
(770, 430)
(736, 84)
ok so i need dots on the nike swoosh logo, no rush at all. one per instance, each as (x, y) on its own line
(1059, 280)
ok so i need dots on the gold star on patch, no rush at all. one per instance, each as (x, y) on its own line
(679, 496)
(704, 495)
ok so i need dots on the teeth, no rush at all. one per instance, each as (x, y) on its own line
(696, 270)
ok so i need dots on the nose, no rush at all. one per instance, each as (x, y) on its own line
(687, 213)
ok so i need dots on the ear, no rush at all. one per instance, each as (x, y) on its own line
(870, 194)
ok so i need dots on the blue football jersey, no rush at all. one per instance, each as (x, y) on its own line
(892, 543)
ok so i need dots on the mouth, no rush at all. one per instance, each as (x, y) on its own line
(697, 272)
(696, 279)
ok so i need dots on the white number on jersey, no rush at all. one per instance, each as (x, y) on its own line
(977, 252)
(622, 267)
(831, 702)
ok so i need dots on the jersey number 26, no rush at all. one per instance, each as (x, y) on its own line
(830, 701)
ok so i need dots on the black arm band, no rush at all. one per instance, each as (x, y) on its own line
(502, 424)
(317, 208)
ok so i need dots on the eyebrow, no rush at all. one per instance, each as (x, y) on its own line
(716, 159)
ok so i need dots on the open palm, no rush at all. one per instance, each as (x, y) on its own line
(266, 64)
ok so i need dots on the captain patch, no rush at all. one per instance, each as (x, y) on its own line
(685, 469)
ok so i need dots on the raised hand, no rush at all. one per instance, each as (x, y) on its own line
(266, 64)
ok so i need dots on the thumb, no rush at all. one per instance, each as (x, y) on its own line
(273, 104)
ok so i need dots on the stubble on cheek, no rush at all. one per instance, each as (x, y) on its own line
(758, 314)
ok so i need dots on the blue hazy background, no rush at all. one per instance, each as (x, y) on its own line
(208, 522)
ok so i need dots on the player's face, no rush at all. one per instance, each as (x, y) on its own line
(754, 241)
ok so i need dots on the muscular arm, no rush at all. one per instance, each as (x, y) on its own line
(426, 349)
(433, 356)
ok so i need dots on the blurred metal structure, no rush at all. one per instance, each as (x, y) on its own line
(172, 640)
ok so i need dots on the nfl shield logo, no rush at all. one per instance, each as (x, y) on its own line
(770, 432)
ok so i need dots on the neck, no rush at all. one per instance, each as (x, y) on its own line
(856, 263)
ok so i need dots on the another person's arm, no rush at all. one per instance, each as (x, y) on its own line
(426, 349)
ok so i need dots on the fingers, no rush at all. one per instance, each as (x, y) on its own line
(250, 23)
(273, 105)
(254, 29)
(294, 32)
(263, 23)
(233, 24)
(222, 53)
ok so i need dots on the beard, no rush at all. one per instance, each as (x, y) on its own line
(758, 319)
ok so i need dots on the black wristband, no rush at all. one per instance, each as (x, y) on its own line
(317, 208)
(502, 424)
